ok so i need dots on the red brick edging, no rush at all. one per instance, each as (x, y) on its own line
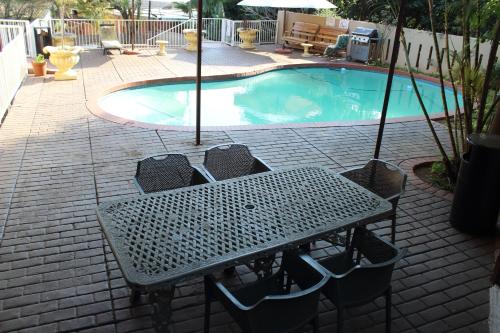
(410, 165)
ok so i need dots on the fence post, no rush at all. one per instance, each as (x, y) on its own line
(232, 33)
(260, 30)
(30, 39)
(276, 26)
(223, 30)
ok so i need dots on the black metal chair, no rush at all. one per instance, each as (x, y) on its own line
(384, 179)
(271, 305)
(167, 172)
(232, 160)
(361, 274)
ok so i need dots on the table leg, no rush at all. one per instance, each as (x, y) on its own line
(135, 295)
(162, 307)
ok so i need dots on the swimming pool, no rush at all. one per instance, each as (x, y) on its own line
(286, 96)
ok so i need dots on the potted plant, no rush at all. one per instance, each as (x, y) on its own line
(247, 35)
(39, 65)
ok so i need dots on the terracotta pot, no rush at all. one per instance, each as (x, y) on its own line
(39, 69)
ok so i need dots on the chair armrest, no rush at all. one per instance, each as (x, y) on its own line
(207, 173)
(260, 166)
(217, 291)
(199, 177)
(138, 186)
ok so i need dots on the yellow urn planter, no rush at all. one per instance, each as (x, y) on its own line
(248, 36)
(191, 36)
(64, 58)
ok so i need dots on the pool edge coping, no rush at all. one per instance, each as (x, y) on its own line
(94, 108)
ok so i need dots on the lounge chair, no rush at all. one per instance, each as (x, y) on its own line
(109, 38)
(340, 45)
(327, 36)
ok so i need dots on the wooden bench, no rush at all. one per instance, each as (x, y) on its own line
(326, 36)
(301, 32)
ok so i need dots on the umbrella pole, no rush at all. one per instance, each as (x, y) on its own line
(198, 71)
(284, 27)
(394, 58)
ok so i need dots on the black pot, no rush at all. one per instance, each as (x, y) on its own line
(476, 201)
(461, 212)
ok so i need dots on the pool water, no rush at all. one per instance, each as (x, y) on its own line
(297, 95)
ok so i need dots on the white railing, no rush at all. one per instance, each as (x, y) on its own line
(86, 32)
(266, 31)
(212, 28)
(174, 34)
(27, 32)
(13, 65)
(147, 32)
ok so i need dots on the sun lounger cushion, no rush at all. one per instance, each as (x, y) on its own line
(111, 44)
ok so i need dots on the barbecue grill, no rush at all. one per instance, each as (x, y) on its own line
(363, 44)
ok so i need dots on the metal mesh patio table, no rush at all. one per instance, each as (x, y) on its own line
(164, 238)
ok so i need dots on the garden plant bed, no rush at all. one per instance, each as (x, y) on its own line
(425, 172)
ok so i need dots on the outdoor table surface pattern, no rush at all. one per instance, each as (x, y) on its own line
(167, 237)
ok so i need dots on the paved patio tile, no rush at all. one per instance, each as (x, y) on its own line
(58, 161)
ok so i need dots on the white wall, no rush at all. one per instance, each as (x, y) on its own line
(13, 65)
(421, 56)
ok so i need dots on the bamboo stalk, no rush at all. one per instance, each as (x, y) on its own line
(478, 33)
(487, 77)
(495, 124)
(458, 115)
(466, 64)
(441, 81)
(489, 113)
(447, 162)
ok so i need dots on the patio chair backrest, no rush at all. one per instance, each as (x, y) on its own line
(229, 161)
(108, 32)
(164, 172)
(380, 177)
(365, 281)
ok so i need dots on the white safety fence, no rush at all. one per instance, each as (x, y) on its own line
(13, 65)
(266, 31)
(28, 32)
(147, 32)
(212, 32)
